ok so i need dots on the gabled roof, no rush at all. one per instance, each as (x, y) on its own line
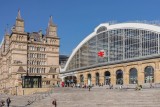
(36, 36)
(21, 70)
(52, 70)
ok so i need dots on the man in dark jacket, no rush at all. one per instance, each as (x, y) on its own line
(8, 101)
(54, 102)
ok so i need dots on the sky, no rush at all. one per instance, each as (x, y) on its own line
(75, 19)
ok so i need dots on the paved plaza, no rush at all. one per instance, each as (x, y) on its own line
(97, 97)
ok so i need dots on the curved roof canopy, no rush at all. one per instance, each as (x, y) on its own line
(107, 27)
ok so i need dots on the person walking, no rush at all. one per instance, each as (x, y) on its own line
(89, 87)
(8, 101)
(54, 102)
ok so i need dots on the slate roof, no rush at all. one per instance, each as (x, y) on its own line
(36, 36)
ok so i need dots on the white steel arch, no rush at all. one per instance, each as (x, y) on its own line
(141, 26)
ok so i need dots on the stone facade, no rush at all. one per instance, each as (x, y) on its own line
(123, 53)
(140, 66)
(33, 54)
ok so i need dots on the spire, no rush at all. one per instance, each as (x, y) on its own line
(19, 25)
(7, 30)
(19, 14)
(50, 23)
(51, 29)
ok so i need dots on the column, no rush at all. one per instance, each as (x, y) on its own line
(93, 77)
(78, 78)
(113, 76)
(85, 78)
(140, 74)
(157, 73)
(101, 76)
(126, 75)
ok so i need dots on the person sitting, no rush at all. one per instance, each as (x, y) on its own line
(138, 87)
(151, 86)
(110, 86)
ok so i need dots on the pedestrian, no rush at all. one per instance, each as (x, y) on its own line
(112, 86)
(1, 103)
(89, 87)
(54, 102)
(151, 86)
(8, 101)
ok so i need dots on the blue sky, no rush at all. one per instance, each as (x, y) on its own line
(75, 18)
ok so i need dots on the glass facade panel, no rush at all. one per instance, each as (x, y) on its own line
(97, 78)
(119, 77)
(107, 78)
(118, 45)
(149, 74)
(133, 76)
(89, 79)
(31, 81)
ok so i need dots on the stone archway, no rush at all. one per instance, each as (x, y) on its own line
(89, 79)
(69, 80)
(119, 77)
(133, 76)
(107, 78)
(97, 78)
(149, 74)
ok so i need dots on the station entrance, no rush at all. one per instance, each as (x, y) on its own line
(70, 80)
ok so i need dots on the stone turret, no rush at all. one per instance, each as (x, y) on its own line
(52, 28)
(19, 26)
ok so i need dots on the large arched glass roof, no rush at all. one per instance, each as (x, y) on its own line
(120, 42)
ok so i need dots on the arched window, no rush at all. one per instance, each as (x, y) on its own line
(81, 79)
(107, 78)
(97, 78)
(149, 74)
(133, 76)
(89, 79)
(119, 77)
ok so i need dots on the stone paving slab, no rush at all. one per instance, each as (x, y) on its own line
(97, 97)
(69, 97)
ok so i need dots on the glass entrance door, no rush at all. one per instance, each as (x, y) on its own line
(107, 81)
